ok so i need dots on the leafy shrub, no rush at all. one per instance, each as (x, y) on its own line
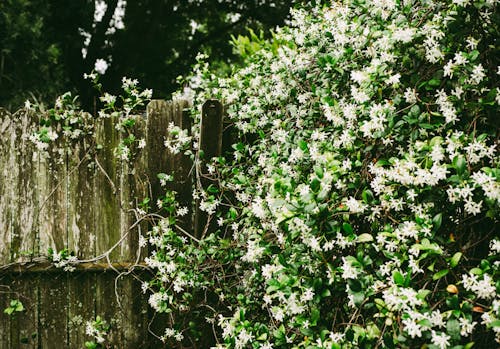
(360, 205)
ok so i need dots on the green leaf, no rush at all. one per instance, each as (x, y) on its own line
(455, 259)
(262, 337)
(367, 196)
(453, 329)
(459, 163)
(315, 315)
(347, 228)
(326, 293)
(318, 171)
(398, 278)
(365, 238)
(315, 185)
(495, 323)
(437, 220)
(90, 345)
(440, 274)
(476, 271)
(434, 82)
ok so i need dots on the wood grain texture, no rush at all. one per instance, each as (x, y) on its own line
(81, 196)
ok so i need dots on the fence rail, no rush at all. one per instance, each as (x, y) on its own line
(82, 197)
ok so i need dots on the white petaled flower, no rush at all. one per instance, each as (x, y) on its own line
(355, 206)
(466, 327)
(142, 143)
(101, 66)
(412, 328)
(410, 95)
(478, 74)
(442, 340)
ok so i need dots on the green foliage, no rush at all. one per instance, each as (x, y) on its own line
(29, 57)
(359, 204)
(15, 306)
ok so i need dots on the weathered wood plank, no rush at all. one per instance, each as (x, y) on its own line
(53, 191)
(159, 115)
(24, 325)
(210, 147)
(53, 318)
(182, 166)
(81, 305)
(5, 297)
(138, 178)
(107, 184)
(133, 311)
(81, 213)
(81, 238)
(108, 309)
(26, 201)
(7, 144)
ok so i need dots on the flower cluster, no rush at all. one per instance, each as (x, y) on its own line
(65, 121)
(98, 329)
(362, 192)
(63, 259)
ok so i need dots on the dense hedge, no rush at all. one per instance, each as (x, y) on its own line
(359, 207)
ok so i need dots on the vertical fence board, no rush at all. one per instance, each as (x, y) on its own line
(15, 177)
(159, 115)
(128, 316)
(106, 200)
(81, 239)
(182, 166)
(211, 146)
(108, 309)
(81, 304)
(108, 221)
(53, 311)
(25, 204)
(7, 142)
(53, 190)
(81, 211)
(5, 297)
(24, 326)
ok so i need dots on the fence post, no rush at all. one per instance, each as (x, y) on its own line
(210, 146)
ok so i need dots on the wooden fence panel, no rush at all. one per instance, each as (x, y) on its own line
(84, 198)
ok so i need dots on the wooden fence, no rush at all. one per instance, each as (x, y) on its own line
(82, 197)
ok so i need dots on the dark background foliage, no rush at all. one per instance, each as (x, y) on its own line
(40, 43)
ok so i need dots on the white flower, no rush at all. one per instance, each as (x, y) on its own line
(142, 143)
(440, 340)
(307, 295)
(466, 327)
(101, 66)
(477, 74)
(412, 328)
(355, 206)
(462, 3)
(393, 79)
(472, 207)
(410, 95)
